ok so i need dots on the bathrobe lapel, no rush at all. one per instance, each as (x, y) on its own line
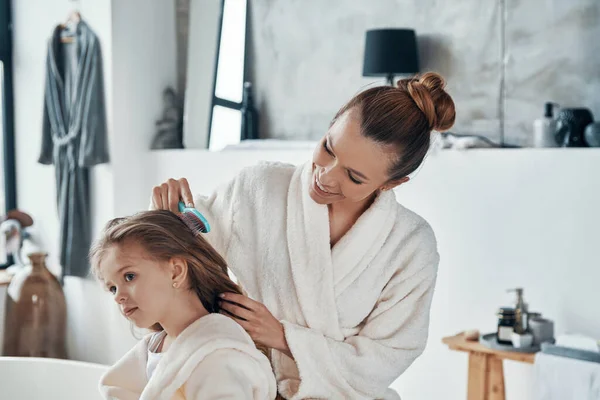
(127, 378)
(310, 256)
(357, 248)
(320, 274)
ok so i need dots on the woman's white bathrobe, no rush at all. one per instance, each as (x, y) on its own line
(355, 316)
(213, 358)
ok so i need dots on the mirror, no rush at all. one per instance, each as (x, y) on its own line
(215, 73)
(203, 35)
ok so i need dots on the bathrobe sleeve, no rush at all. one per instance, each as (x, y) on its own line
(46, 156)
(47, 150)
(219, 210)
(229, 374)
(94, 136)
(390, 338)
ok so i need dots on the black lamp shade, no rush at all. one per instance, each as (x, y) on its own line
(390, 51)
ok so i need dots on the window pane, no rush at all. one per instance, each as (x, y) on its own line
(226, 127)
(230, 71)
(2, 166)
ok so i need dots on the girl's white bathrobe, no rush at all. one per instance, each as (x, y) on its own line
(213, 358)
(356, 315)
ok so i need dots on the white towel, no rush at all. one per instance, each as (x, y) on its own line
(563, 378)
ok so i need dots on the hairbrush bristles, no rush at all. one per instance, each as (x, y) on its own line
(193, 222)
(193, 219)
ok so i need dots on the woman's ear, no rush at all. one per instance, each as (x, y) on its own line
(179, 271)
(395, 183)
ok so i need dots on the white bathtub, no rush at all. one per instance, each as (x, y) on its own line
(28, 378)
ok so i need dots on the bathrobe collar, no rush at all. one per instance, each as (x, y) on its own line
(319, 272)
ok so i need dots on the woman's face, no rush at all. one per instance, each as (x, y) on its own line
(348, 167)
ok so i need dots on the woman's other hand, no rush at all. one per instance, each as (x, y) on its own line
(168, 195)
(256, 319)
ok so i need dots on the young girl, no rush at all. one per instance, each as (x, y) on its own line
(167, 278)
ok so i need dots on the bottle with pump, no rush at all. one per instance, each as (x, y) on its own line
(544, 128)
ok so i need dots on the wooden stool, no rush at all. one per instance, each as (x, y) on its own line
(486, 373)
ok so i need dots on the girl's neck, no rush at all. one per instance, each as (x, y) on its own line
(185, 312)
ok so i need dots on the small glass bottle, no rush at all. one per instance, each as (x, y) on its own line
(249, 129)
(506, 325)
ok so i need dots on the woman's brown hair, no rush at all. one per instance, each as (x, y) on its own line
(163, 236)
(403, 117)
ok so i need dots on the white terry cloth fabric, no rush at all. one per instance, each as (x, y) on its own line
(562, 378)
(213, 358)
(355, 316)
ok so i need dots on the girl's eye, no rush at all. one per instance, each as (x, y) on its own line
(129, 277)
(354, 179)
(113, 289)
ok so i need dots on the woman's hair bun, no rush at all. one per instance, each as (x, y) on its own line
(429, 94)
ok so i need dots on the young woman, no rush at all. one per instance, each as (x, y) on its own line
(340, 276)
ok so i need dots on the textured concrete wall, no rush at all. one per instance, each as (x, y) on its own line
(306, 58)
(553, 49)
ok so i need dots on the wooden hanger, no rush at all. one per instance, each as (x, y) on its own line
(74, 18)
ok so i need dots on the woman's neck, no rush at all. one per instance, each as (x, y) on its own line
(186, 311)
(342, 216)
(350, 210)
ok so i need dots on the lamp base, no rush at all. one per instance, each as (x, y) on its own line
(390, 79)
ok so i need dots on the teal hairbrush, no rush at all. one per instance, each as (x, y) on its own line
(193, 219)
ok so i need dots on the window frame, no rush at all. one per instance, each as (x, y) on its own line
(218, 101)
(7, 124)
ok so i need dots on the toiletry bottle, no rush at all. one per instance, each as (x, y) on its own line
(544, 129)
(249, 125)
(520, 311)
(506, 325)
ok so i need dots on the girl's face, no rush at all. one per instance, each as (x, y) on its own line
(347, 166)
(141, 287)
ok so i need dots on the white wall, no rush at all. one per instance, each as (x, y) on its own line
(34, 21)
(138, 47)
(546, 242)
(506, 218)
(144, 63)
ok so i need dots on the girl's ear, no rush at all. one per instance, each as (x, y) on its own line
(179, 271)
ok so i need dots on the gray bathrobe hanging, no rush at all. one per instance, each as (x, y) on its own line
(74, 136)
